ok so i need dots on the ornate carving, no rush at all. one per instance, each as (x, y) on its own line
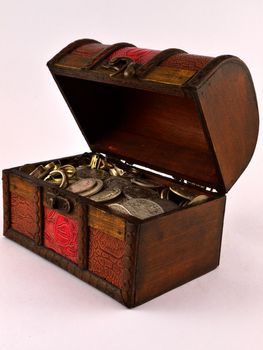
(6, 204)
(129, 264)
(23, 215)
(61, 234)
(106, 255)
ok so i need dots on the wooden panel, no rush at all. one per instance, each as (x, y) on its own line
(169, 75)
(106, 222)
(22, 187)
(178, 247)
(229, 107)
(157, 130)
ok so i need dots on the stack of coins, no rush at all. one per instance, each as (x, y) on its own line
(124, 189)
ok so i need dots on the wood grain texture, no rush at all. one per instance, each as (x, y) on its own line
(170, 75)
(152, 129)
(130, 263)
(177, 248)
(107, 222)
(23, 188)
(228, 102)
(6, 202)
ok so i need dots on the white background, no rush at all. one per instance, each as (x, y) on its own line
(43, 307)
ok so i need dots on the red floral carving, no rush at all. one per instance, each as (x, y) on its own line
(106, 254)
(23, 215)
(61, 234)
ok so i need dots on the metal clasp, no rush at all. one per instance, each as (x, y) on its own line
(121, 64)
(58, 202)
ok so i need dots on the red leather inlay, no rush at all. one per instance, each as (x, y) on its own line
(23, 215)
(106, 254)
(138, 55)
(61, 234)
(186, 61)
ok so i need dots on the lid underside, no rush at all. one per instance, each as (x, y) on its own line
(160, 131)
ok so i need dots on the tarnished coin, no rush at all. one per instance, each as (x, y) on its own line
(166, 204)
(144, 183)
(119, 208)
(82, 185)
(116, 181)
(106, 195)
(182, 191)
(133, 191)
(142, 208)
(199, 199)
(86, 172)
(98, 186)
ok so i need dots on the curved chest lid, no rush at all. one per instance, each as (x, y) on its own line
(189, 116)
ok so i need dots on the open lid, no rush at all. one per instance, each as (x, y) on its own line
(192, 117)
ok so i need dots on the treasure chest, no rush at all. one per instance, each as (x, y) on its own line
(142, 212)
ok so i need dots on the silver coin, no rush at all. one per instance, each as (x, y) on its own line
(133, 191)
(106, 195)
(142, 208)
(82, 185)
(199, 199)
(116, 181)
(144, 183)
(182, 191)
(166, 204)
(119, 208)
(86, 172)
(98, 186)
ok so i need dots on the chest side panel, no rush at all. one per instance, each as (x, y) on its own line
(176, 248)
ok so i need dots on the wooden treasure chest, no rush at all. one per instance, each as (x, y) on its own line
(142, 213)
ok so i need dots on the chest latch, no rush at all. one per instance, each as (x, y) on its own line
(58, 202)
(120, 65)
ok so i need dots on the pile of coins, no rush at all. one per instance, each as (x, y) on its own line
(124, 190)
